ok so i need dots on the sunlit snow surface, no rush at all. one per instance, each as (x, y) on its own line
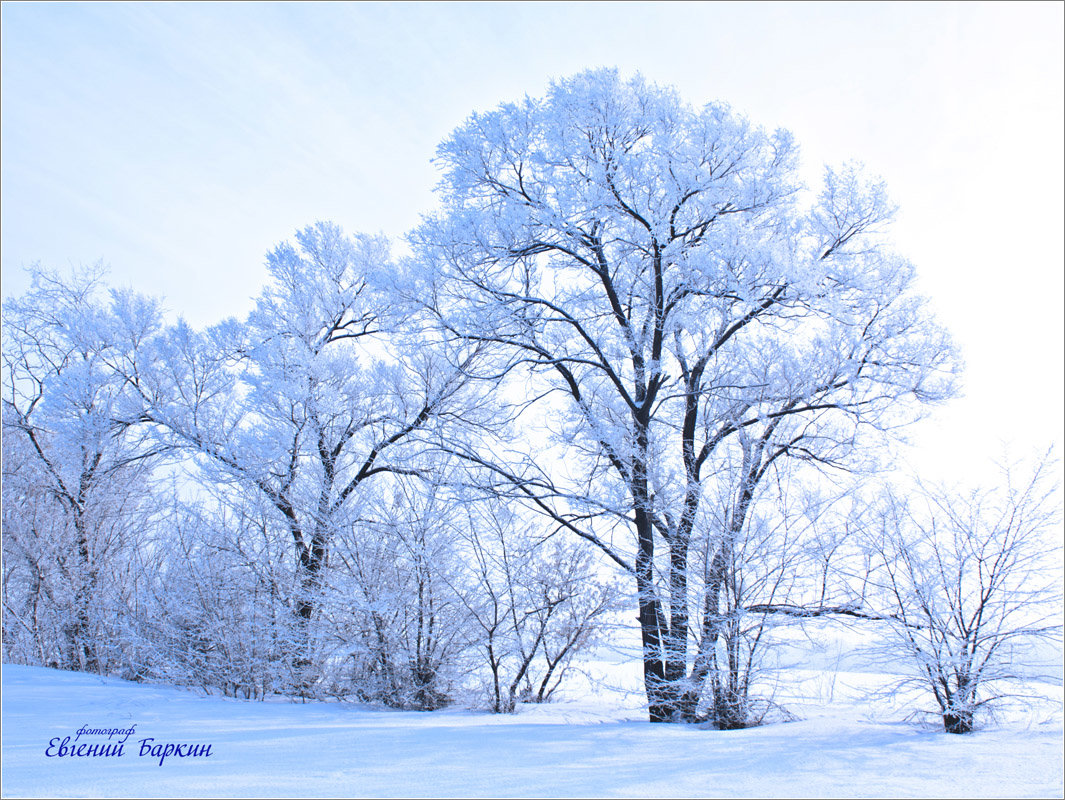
(596, 747)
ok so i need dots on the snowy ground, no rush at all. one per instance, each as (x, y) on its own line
(596, 747)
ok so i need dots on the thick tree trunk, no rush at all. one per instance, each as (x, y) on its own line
(958, 721)
(677, 634)
(663, 658)
(83, 656)
(659, 705)
(661, 694)
(311, 562)
(654, 677)
(661, 649)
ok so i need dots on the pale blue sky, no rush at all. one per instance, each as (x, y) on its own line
(179, 142)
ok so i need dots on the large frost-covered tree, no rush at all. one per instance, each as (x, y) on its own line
(658, 280)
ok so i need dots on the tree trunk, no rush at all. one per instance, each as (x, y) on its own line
(311, 561)
(958, 721)
(661, 702)
(661, 688)
(83, 655)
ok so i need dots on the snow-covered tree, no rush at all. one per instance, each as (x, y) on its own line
(654, 278)
(759, 582)
(76, 465)
(967, 583)
(325, 387)
(398, 626)
(535, 602)
(213, 609)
